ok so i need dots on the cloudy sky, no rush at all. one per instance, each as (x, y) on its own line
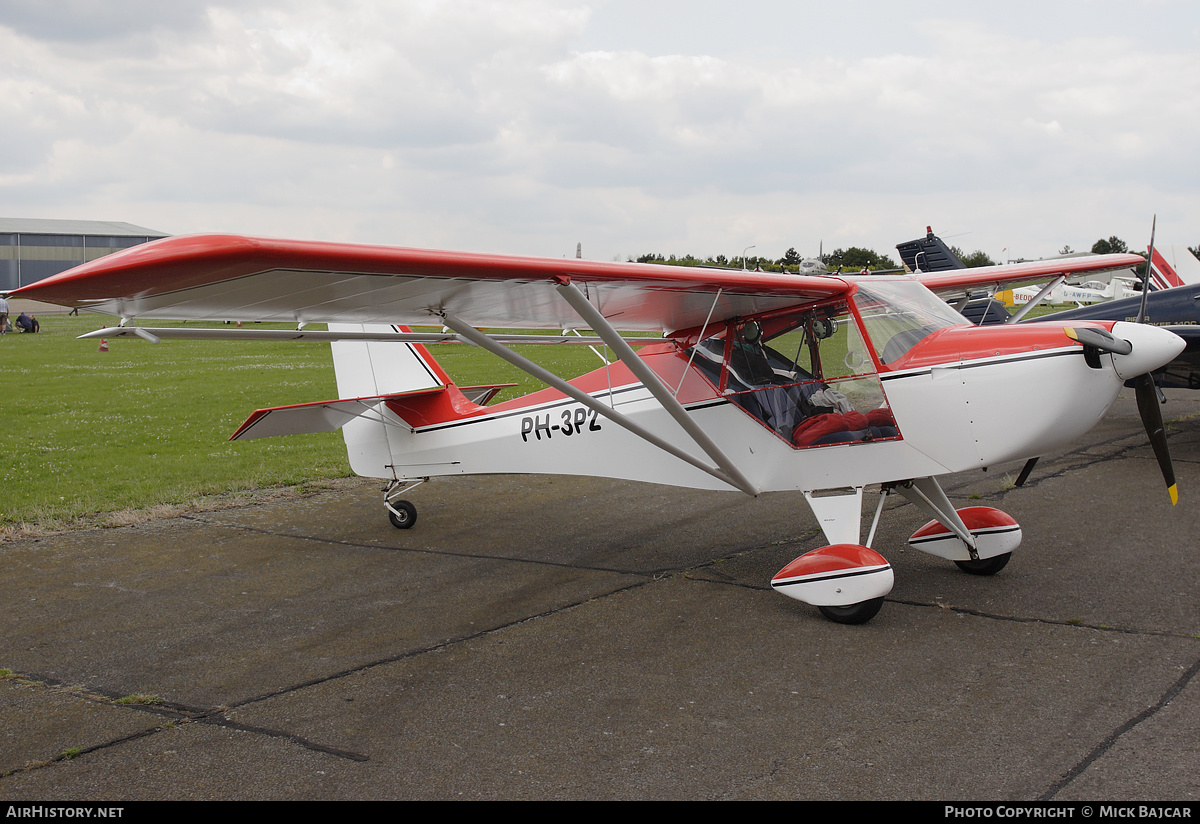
(526, 126)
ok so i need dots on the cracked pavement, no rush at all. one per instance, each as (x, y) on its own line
(546, 637)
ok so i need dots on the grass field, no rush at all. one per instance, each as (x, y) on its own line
(84, 432)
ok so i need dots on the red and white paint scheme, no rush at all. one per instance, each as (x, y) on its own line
(995, 533)
(1173, 265)
(843, 580)
(750, 381)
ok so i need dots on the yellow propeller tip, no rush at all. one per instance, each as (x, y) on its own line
(1174, 493)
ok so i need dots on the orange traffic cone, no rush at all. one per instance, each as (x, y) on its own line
(103, 345)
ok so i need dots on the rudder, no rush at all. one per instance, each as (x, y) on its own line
(369, 368)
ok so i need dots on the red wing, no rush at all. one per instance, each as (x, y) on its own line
(223, 277)
(957, 283)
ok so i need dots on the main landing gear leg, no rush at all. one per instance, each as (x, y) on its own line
(978, 539)
(401, 513)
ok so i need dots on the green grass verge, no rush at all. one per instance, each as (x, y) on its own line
(84, 432)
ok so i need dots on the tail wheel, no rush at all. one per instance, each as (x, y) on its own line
(858, 613)
(985, 566)
(402, 514)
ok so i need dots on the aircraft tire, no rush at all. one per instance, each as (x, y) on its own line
(858, 613)
(407, 516)
(985, 566)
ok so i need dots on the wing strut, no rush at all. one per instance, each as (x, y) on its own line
(600, 325)
(738, 481)
(1047, 289)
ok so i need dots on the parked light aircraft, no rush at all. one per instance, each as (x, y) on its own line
(1092, 291)
(758, 382)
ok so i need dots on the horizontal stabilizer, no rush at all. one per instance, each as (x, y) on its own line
(319, 416)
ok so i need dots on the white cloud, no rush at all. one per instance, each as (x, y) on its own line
(527, 126)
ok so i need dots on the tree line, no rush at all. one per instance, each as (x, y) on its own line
(857, 258)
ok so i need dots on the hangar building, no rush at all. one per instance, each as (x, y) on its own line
(33, 249)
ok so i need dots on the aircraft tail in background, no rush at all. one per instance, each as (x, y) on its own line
(928, 254)
(1174, 265)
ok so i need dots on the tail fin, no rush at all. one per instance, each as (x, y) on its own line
(928, 254)
(368, 368)
(382, 367)
(1174, 266)
(401, 376)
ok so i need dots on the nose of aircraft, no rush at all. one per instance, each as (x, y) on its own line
(1153, 348)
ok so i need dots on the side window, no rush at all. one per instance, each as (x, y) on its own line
(808, 377)
(840, 345)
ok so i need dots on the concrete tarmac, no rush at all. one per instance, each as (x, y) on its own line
(564, 638)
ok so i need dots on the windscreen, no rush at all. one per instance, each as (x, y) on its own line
(898, 314)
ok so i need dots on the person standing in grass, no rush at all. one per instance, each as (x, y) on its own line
(4, 327)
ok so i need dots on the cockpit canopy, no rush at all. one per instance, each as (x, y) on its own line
(810, 374)
(898, 313)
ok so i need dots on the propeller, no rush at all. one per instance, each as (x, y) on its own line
(1148, 408)
(1147, 394)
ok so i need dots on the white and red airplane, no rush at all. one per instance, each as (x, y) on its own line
(1092, 291)
(757, 382)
